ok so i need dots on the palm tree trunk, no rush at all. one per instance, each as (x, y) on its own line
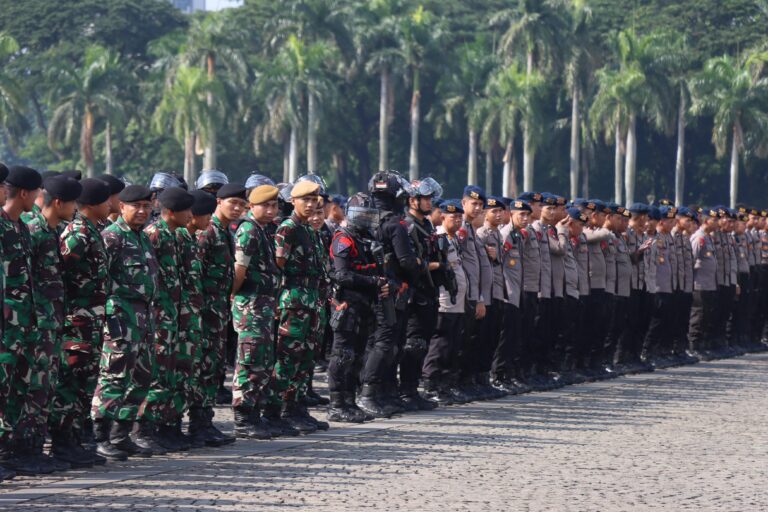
(108, 147)
(509, 180)
(735, 167)
(293, 158)
(340, 164)
(575, 147)
(413, 161)
(528, 156)
(286, 157)
(311, 134)
(209, 155)
(618, 166)
(585, 157)
(472, 159)
(383, 121)
(189, 157)
(489, 171)
(86, 141)
(680, 159)
(631, 160)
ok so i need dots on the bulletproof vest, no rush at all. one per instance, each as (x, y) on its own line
(382, 235)
(359, 259)
(424, 240)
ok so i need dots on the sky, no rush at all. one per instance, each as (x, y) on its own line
(216, 5)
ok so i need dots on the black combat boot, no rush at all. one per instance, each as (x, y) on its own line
(435, 391)
(166, 437)
(196, 427)
(44, 460)
(85, 435)
(338, 410)
(146, 439)
(5, 454)
(293, 415)
(101, 430)
(248, 424)
(315, 397)
(215, 436)
(414, 401)
(183, 439)
(64, 447)
(21, 460)
(369, 401)
(275, 424)
(319, 424)
(223, 395)
(120, 437)
(359, 415)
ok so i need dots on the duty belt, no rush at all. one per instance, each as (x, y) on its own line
(253, 288)
(306, 282)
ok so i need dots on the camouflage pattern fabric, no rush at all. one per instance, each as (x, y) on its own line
(86, 279)
(188, 347)
(126, 371)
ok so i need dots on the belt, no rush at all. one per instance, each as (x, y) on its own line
(306, 282)
(252, 288)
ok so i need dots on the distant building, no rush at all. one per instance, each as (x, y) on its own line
(189, 6)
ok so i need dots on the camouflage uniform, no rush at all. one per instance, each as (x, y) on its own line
(86, 279)
(19, 340)
(298, 302)
(253, 313)
(217, 278)
(188, 347)
(323, 239)
(166, 314)
(126, 371)
(49, 307)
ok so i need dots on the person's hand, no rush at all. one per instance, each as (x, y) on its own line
(646, 245)
(479, 311)
(491, 250)
(434, 265)
(564, 221)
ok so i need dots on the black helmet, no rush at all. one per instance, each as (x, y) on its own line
(427, 187)
(389, 183)
(362, 215)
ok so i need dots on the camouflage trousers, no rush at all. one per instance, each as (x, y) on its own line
(190, 336)
(127, 370)
(317, 335)
(41, 384)
(212, 350)
(17, 353)
(253, 319)
(164, 376)
(295, 352)
(78, 371)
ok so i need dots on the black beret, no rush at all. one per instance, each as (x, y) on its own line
(49, 174)
(94, 191)
(134, 193)
(204, 202)
(74, 174)
(24, 178)
(176, 199)
(63, 188)
(231, 190)
(3, 172)
(116, 185)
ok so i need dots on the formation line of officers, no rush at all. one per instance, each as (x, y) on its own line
(120, 303)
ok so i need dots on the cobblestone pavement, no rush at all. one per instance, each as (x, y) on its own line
(692, 438)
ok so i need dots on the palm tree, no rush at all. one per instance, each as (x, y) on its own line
(679, 75)
(83, 94)
(186, 110)
(12, 97)
(737, 97)
(214, 41)
(538, 27)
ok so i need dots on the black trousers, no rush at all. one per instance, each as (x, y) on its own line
(571, 337)
(506, 358)
(702, 324)
(349, 341)
(617, 322)
(683, 303)
(725, 298)
(383, 345)
(422, 319)
(557, 332)
(659, 328)
(529, 309)
(542, 335)
(595, 326)
(444, 346)
(737, 325)
(489, 335)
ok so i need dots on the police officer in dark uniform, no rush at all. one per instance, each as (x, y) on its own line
(359, 284)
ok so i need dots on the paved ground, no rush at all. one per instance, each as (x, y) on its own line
(690, 438)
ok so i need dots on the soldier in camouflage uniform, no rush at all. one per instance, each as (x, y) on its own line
(5, 474)
(84, 272)
(126, 370)
(116, 185)
(20, 339)
(253, 313)
(58, 204)
(201, 429)
(175, 212)
(297, 255)
(218, 269)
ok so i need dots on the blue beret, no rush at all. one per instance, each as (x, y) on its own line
(530, 197)
(474, 192)
(451, 206)
(654, 213)
(548, 199)
(577, 214)
(519, 205)
(668, 212)
(638, 208)
(495, 202)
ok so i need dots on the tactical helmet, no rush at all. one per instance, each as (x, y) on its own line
(361, 213)
(389, 183)
(211, 177)
(256, 180)
(162, 181)
(427, 187)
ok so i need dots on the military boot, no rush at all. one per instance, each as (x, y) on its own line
(196, 427)
(22, 461)
(101, 429)
(319, 424)
(292, 415)
(146, 439)
(5, 454)
(414, 401)
(120, 437)
(215, 436)
(248, 425)
(64, 447)
(184, 440)
(166, 437)
(223, 395)
(484, 379)
(37, 444)
(275, 424)
(436, 391)
(359, 415)
(368, 401)
(86, 435)
(337, 409)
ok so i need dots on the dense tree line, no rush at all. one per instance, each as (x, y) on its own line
(623, 99)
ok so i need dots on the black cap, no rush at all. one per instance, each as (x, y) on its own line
(94, 191)
(74, 174)
(116, 185)
(134, 193)
(176, 199)
(63, 188)
(24, 178)
(231, 190)
(204, 202)
(3, 172)
(49, 174)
